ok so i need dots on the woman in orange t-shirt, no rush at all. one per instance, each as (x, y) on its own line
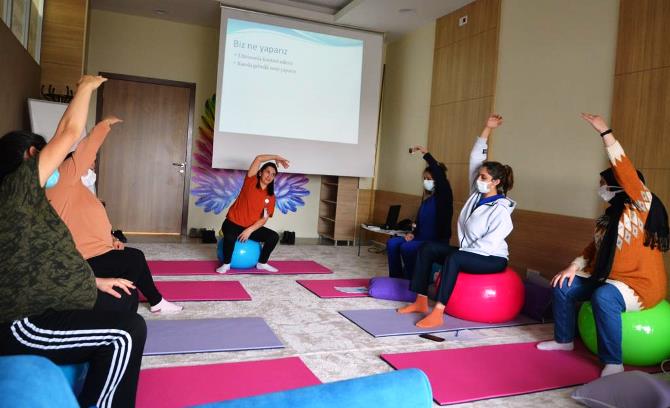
(249, 213)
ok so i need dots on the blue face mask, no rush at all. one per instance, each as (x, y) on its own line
(53, 179)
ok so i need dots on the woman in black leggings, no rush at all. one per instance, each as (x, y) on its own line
(252, 209)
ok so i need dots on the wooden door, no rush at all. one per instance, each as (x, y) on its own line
(144, 165)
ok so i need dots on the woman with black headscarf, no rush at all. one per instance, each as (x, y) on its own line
(622, 268)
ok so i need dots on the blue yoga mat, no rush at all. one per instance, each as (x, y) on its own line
(208, 335)
(388, 322)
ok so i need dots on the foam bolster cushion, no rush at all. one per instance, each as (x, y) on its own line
(33, 381)
(391, 289)
(396, 389)
(630, 389)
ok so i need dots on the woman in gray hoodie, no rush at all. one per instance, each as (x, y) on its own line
(484, 223)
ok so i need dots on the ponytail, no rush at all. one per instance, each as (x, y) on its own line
(502, 172)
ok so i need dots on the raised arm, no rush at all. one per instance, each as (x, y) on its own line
(262, 158)
(442, 186)
(623, 168)
(69, 128)
(84, 156)
(479, 152)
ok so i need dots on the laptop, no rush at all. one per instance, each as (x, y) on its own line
(392, 218)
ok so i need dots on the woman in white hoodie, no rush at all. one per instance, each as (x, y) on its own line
(484, 223)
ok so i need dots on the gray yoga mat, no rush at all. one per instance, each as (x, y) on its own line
(208, 335)
(388, 322)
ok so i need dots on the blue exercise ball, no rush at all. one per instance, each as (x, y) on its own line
(245, 254)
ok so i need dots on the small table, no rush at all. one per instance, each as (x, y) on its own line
(372, 228)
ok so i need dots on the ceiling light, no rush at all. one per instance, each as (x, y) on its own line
(407, 10)
(160, 12)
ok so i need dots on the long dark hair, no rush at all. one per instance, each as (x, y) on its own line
(271, 186)
(13, 147)
(442, 167)
(502, 172)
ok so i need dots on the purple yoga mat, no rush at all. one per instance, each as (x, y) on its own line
(208, 335)
(388, 322)
(191, 291)
(476, 373)
(328, 288)
(182, 267)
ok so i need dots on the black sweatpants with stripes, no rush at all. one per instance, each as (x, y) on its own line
(111, 342)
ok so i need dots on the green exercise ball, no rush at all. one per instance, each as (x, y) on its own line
(645, 334)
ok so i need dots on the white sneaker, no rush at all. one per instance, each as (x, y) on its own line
(165, 306)
(223, 268)
(554, 345)
(266, 267)
(611, 369)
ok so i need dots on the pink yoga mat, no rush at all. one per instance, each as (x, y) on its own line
(190, 385)
(189, 291)
(326, 288)
(159, 268)
(477, 373)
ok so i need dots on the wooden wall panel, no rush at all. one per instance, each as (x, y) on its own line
(454, 127)
(63, 42)
(540, 241)
(547, 242)
(464, 73)
(19, 80)
(482, 16)
(644, 31)
(364, 209)
(466, 69)
(384, 199)
(641, 103)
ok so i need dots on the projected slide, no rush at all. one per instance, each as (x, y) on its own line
(290, 83)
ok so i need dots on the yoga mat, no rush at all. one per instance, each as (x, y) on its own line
(334, 288)
(171, 268)
(208, 335)
(286, 268)
(190, 291)
(476, 373)
(176, 387)
(388, 322)
(166, 268)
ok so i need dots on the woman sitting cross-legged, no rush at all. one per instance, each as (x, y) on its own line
(433, 221)
(484, 223)
(252, 209)
(622, 269)
(87, 220)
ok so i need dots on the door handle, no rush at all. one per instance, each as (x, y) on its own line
(182, 167)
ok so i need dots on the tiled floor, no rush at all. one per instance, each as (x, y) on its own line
(310, 327)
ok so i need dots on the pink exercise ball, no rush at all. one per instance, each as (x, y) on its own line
(489, 298)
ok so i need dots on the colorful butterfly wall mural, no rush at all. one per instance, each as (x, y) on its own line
(217, 189)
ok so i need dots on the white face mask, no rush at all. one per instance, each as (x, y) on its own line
(89, 178)
(607, 192)
(482, 186)
(429, 184)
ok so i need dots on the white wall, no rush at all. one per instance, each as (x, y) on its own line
(556, 59)
(405, 110)
(155, 48)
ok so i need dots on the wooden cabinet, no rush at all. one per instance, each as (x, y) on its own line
(337, 208)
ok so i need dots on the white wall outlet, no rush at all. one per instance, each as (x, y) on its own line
(462, 21)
